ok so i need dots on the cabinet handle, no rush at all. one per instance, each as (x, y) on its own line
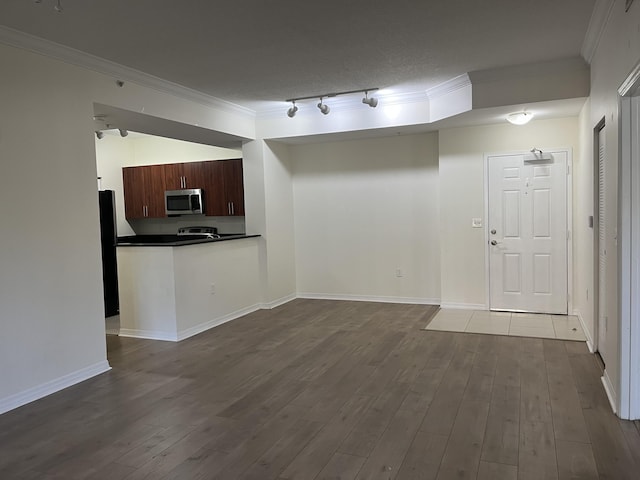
(229, 208)
(233, 209)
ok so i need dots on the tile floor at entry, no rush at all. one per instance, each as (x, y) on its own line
(564, 327)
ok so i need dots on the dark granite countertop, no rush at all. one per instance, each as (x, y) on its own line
(175, 240)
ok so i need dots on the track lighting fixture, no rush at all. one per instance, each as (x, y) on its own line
(123, 132)
(292, 111)
(324, 108)
(372, 102)
(99, 134)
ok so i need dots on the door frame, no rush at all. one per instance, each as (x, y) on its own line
(569, 240)
(628, 248)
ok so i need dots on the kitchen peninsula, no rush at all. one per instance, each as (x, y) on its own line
(174, 290)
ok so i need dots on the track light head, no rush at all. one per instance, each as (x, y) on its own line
(292, 110)
(372, 102)
(58, 7)
(324, 108)
(123, 132)
(99, 134)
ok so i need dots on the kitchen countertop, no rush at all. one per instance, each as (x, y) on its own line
(175, 240)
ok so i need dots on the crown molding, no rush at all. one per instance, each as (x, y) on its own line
(16, 38)
(455, 84)
(599, 19)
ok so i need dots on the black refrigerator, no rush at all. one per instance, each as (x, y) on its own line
(109, 238)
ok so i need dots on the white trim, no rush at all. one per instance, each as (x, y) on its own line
(190, 332)
(450, 86)
(628, 248)
(465, 306)
(599, 19)
(278, 302)
(631, 83)
(587, 333)
(14, 401)
(370, 298)
(148, 334)
(611, 394)
(18, 39)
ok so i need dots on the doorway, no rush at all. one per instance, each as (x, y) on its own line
(528, 232)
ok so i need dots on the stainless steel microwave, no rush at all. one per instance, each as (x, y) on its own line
(184, 202)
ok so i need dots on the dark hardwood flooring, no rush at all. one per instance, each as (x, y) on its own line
(328, 390)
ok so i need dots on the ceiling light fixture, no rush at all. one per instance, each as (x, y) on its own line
(123, 132)
(324, 108)
(372, 102)
(99, 134)
(519, 118)
(292, 111)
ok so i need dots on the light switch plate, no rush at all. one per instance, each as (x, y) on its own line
(476, 222)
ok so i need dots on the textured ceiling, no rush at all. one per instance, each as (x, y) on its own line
(253, 52)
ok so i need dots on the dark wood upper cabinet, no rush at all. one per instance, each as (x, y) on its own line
(143, 191)
(234, 185)
(180, 176)
(221, 181)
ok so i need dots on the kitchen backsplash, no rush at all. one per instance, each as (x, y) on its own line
(149, 226)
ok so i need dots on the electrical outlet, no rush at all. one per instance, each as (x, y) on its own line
(213, 289)
(398, 272)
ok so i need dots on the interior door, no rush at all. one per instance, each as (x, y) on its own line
(528, 233)
(601, 304)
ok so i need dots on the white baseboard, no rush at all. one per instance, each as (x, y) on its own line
(587, 333)
(148, 334)
(14, 401)
(190, 332)
(370, 298)
(464, 306)
(611, 393)
(278, 302)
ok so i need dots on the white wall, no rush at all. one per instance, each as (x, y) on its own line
(51, 306)
(167, 294)
(269, 212)
(583, 235)
(462, 152)
(615, 56)
(114, 152)
(364, 209)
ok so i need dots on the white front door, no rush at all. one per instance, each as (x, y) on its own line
(528, 233)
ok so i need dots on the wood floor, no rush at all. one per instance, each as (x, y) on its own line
(320, 389)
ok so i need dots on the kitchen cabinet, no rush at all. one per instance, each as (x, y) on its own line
(224, 195)
(221, 181)
(179, 176)
(144, 191)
